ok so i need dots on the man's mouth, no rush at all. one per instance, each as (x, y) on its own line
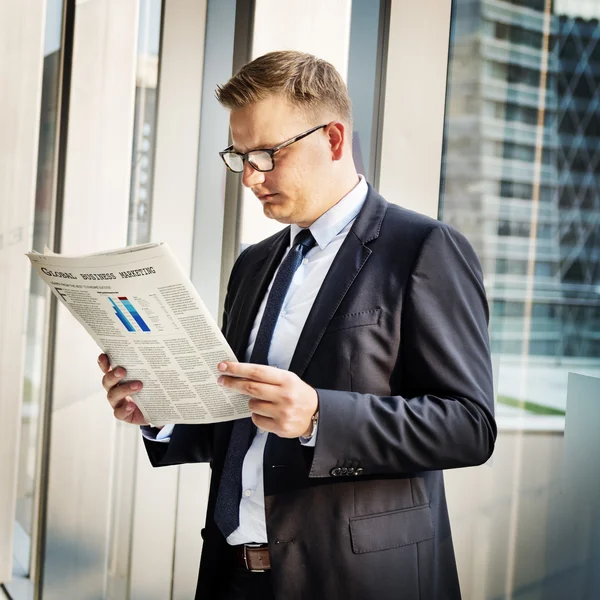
(267, 197)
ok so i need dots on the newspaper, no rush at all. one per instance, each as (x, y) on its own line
(143, 311)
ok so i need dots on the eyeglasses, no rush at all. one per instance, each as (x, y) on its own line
(261, 159)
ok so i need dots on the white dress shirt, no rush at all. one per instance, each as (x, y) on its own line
(329, 231)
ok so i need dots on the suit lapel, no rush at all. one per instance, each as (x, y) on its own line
(348, 263)
(258, 276)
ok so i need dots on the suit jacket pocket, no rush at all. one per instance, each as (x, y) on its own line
(391, 529)
(356, 319)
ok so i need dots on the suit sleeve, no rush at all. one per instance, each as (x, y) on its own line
(191, 443)
(446, 419)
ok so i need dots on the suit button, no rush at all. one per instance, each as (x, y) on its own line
(358, 471)
(336, 472)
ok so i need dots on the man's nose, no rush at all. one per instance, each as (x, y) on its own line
(250, 176)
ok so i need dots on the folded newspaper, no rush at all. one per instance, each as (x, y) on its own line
(140, 307)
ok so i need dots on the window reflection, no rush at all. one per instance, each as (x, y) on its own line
(541, 131)
(39, 295)
(144, 133)
(362, 82)
(521, 180)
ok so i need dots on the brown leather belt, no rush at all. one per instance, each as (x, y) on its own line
(253, 557)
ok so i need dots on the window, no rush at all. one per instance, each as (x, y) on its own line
(544, 296)
(513, 228)
(517, 35)
(543, 347)
(523, 75)
(514, 151)
(543, 269)
(543, 310)
(516, 189)
(39, 300)
(537, 5)
(568, 152)
(502, 31)
(545, 231)
(504, 228)
(523, 114)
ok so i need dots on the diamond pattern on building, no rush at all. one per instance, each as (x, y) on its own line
(578, 159)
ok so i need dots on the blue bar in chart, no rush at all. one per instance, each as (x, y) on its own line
(121, 316)
(134, 313)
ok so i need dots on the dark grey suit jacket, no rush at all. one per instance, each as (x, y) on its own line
(396, 345)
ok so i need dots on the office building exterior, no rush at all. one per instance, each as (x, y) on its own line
(521, 180)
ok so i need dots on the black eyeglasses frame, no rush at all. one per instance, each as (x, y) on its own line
(270, 151)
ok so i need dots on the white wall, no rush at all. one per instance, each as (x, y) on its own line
(320, 28)
(21, 61)
(415, 94)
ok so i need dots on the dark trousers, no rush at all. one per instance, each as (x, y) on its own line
(245, 585)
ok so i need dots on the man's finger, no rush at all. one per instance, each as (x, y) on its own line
(125, 411)
(264, 423)
(263, 373)
(113, 377)
(129, 412)
(119, 392)
(264, 391)
(104, 363)
(263, 408)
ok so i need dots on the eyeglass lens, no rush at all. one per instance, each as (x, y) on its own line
(261, 161)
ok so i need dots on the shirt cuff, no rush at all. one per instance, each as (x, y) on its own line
(311, 441)
(157, 435)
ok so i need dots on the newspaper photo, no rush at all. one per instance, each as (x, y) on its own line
(143, 311)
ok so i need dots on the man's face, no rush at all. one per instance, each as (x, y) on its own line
(294, 191)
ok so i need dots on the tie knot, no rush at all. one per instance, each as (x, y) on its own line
(305, 239)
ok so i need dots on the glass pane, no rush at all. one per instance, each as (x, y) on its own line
(521, 170)
(39, 296)
(144, 134)
(363, 81)
(118, 579)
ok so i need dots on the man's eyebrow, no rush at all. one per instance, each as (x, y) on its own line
(260, 147)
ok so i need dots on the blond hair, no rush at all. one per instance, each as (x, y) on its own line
(310, 83)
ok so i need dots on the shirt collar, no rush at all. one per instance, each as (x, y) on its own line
(329, 224)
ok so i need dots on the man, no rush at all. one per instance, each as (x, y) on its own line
(370, 322)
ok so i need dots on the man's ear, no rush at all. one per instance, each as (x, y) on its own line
(336, 132)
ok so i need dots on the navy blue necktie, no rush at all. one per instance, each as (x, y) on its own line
(227, 509)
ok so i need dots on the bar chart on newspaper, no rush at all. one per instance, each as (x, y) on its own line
(128, 306)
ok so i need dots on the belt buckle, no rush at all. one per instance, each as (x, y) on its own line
(246, 546)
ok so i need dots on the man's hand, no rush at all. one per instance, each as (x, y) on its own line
(281, 402)
(119, 394)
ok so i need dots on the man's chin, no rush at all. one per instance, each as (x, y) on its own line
(277, 212)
